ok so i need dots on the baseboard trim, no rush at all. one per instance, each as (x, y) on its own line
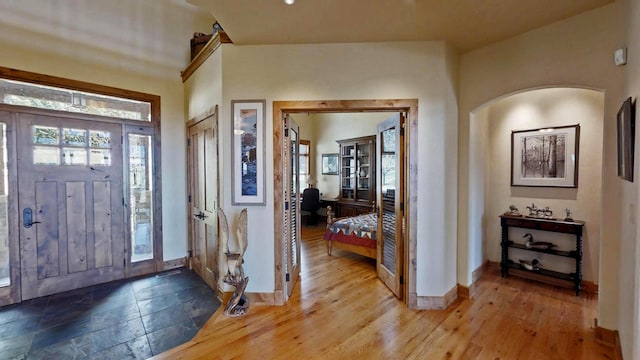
(609, 338)
(469, 292)
(464, 292)
(174, 264)
(438, 302)
(589, 287)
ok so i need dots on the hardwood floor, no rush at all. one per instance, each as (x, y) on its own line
(340, 310)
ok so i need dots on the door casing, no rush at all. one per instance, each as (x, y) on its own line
(410, 106)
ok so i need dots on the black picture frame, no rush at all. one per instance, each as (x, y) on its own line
(626, 139)
(545, 157)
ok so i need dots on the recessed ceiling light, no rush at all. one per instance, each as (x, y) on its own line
(289, 2)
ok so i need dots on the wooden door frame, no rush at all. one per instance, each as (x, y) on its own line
(410, 106)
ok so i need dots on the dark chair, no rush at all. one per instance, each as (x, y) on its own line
(310, 204)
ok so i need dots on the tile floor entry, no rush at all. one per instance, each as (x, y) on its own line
(127, 319)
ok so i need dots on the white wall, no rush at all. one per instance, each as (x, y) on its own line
(573, 52)
(629, 256)
(337, 71)
(139, 45)
(478, 215)
(540, 109)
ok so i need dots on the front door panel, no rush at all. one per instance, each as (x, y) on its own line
(70, 181)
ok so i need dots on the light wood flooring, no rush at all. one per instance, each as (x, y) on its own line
(340, 310)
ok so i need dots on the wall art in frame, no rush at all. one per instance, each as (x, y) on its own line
(329, 164)
(545, 157)
(248, 152)
(626, 139)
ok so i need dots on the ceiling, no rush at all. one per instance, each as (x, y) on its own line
(467, 24)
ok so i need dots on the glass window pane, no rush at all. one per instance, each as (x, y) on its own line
(100, 157)
(140, 190)
(44, 155)
(44, 135)
(71, 156)
(389, 140)
(74, 137)
(5, 276)
(53, 98)
(100, 139)
(304, 149)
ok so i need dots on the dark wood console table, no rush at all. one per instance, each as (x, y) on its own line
(508, 266)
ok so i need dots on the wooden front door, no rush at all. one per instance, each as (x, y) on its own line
(70, 196)
(203, 197)
(390, 235)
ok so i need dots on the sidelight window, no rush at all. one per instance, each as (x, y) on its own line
(140, 193)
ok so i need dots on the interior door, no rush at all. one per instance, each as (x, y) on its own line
(292, 203)
(70, 195)
(390, 159)
(203, 198)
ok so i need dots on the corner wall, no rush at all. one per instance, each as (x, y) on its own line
(573, 52)
(629, 256)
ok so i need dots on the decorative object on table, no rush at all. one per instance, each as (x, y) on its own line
(547, 213)
(238, 303)
(329, 164)
(568, 217)
(248, 152)
(533, 210)
(513, 211)
(542, 245)
(626, 139)
(533, 265)
(545, 157)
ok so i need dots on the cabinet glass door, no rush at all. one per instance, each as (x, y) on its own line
(348, 171)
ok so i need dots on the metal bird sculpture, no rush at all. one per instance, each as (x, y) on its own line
(530, 244)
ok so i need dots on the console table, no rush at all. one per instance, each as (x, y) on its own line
(507, 266)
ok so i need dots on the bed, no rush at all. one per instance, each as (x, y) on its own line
(354, 234)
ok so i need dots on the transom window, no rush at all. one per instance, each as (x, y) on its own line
(53, 98)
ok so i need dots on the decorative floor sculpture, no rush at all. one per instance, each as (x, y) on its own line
(238, 303)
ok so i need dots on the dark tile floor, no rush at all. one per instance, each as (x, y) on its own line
(128, 319)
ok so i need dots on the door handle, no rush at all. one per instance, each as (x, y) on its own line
(200, 215)
(27, 218)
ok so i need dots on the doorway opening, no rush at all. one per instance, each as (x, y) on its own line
(281, 110)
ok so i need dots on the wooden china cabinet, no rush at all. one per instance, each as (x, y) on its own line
(357, 176)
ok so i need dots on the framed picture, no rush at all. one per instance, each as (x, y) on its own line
(626, 139)
(329, 164)
(248, 152)
(545, 157)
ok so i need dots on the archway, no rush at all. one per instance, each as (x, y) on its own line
(489, 190)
